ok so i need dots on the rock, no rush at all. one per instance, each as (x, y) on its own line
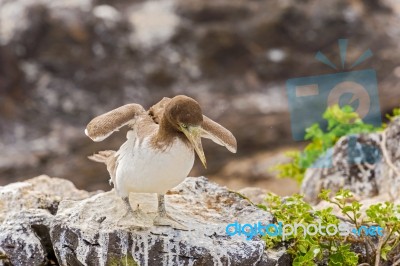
(255, 194)
(85, 229)
(26, 212)
(91, 232)
(24, 238)
(358, 163)
(366, 203)
(257, 170)
(64, 62)
(389, 178)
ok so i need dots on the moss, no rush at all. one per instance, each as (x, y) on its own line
(127, 260)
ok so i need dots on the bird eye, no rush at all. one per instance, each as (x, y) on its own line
(184, 125)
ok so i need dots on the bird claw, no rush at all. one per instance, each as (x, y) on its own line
(166, 220)
(133, 218)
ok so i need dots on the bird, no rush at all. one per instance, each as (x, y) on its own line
(160, 148)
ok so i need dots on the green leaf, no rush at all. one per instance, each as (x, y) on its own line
(384, 251)
(341, 122)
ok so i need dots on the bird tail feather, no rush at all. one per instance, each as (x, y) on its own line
(101, 156)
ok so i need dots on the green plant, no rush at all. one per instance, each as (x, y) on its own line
(395, 113)
(308, 249)
(332, 250)
(126, 260)
(386, 215)
(341, 122)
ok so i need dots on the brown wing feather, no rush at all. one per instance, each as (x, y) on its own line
(156, 111)
(109, 159)
(104, 125)
(211, 129)
(218, 134)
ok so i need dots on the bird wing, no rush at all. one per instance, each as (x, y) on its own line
(211, 129)
(217, 133)
(156, 111)
(110, 159)
(102, 126)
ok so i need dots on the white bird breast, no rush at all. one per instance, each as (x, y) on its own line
(143, 169)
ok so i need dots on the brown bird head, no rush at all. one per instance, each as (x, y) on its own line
(184, 115)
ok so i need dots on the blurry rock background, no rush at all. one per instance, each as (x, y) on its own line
(62, 62)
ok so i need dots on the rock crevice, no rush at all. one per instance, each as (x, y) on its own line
(89, 229)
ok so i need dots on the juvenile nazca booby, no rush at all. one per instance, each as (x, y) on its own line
(159, 151)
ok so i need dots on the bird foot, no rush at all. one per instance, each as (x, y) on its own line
(133, 218)
(166, 220)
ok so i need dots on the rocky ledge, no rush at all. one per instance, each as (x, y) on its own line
(47, 221)
(366, 164)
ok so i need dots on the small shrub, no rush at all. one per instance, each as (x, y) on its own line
(332, 250)
(341, 122)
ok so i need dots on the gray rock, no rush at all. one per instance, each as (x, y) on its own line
(24, 238)
(93, 232)
(255, 194)
(26, 212)
(47, 220)
(389, 179)
(359, 163)
(63, 62)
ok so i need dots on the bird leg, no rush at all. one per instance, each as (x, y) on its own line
(161, 205)
(137, 214)
(164, 219)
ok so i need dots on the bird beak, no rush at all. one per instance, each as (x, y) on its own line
(193, 133)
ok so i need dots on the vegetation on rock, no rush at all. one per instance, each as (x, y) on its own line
(318, 249)
(341, 122)
(321, 249)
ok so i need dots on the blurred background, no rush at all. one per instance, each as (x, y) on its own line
(62, 62)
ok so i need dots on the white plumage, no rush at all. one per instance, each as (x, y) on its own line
(160, 148)
(167, 169)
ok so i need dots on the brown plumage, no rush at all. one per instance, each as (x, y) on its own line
(213, 130)
(102, 126)
(109, 159)
(159, 151)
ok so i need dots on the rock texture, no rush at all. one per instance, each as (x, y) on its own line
(367, 164)
(63, 62)
(83, 230)
(92, 232)
(26, 212)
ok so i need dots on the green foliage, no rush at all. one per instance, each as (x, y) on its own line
(341, 122)
(395, 113)
(332, 250)
(308, 249)
(386, 215)
(127, 260)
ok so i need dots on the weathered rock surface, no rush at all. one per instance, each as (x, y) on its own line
(91, 231)
(26, 212)
(63, 62)
(37, 229)
(367, 164)
(254, 194)
(366, 203)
